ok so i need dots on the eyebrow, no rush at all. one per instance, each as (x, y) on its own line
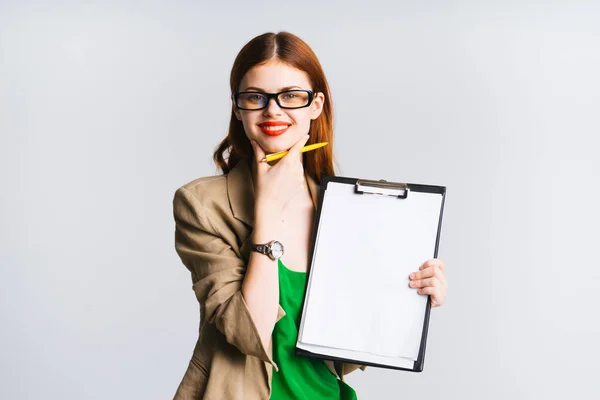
(279, 90)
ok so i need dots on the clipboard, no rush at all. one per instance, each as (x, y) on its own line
(368, 236)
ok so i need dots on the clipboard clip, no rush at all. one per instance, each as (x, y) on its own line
(381, 188)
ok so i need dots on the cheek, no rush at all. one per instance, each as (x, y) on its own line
(302, 121)
(248, 121)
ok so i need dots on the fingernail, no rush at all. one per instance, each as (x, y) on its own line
(412, 275)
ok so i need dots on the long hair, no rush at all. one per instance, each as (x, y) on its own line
(291, 50)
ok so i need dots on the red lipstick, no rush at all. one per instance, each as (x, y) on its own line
(273, 128)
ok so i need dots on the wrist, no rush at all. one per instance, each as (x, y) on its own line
(267, 227)
(273, 249)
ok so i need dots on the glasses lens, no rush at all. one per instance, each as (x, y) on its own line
(293, 98)
(251, 100)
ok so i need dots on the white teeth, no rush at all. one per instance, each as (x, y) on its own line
(274, 128)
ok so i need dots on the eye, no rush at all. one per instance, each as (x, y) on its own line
(254, 97)
(289, 95)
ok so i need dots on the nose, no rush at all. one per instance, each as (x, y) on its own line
(272, 108)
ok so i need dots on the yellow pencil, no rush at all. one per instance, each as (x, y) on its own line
(281, 154)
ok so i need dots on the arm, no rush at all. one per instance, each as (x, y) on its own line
(260, 288)
(274, 187)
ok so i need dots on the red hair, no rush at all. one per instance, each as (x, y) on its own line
(291, 50)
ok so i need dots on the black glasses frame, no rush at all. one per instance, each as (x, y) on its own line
(275, 96)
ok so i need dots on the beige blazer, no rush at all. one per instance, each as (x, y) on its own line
(213, 224)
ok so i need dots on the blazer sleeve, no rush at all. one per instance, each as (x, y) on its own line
(340, 368)
(217, 274)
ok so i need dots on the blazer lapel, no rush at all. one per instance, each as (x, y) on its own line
(240, 190)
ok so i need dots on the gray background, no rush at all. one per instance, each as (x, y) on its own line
(106, 108)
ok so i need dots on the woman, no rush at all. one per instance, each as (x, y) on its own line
(229, 229)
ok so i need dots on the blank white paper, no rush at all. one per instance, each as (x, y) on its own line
(358, 299)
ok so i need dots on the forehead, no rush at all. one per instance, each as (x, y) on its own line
(273, 76)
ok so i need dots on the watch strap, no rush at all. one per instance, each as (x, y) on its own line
(261, 248)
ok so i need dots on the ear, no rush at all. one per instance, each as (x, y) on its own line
(235, 110)
(317, 105)
(237, 113)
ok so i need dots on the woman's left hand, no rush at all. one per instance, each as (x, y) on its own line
(431, 280)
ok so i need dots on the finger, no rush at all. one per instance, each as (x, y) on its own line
(431, 291)
(295, 150)
(441, 275)
(259, 153)
(433, 270)
(437, 272)
(428, 282)
(425, 273)
(432, 262)
(435, 295)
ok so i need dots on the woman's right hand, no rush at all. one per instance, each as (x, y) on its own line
(276, 185)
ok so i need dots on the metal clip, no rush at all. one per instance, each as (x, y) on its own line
(381, 188)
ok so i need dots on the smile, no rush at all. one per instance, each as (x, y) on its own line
(273, 128)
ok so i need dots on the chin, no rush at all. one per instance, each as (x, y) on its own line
(274, 144)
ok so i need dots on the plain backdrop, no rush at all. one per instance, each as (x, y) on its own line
(107, 107)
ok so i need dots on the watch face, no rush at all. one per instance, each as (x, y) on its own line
(276, 249)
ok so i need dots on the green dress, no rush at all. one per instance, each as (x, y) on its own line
(299, 377)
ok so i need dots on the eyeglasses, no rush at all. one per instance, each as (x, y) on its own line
(260, 100)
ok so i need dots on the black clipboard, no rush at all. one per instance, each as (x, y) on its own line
(393, 192)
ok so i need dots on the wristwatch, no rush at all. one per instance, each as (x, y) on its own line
(273, 249)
